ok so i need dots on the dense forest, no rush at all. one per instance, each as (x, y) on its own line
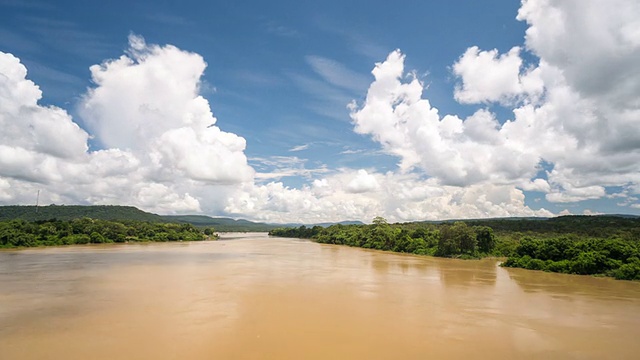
(21, 233)
(589, 245)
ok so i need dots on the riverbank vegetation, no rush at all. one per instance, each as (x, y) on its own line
(588, 245)
(21, 233)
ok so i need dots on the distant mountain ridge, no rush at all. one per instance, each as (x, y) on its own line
(324, 224)
(70, 212)
(220, 224)
(121, 212)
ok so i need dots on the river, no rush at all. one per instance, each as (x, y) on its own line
(249, 296)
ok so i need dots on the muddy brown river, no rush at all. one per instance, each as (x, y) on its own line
(254, 297)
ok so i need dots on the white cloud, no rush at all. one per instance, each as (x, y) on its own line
(35, 139)
(589, 53)
(540, 185)
(489, 77)
(39, 130)
(148, 103)
(577, 109)
(362, 182)
(576, 194)
(160, 140)
(4, 190)
(398, 197)
(337, 74)
(163, 199)
(299, 148)
(595, 43)
(454, 151)
(277, 167)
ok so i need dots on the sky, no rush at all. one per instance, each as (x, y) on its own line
(292, 111)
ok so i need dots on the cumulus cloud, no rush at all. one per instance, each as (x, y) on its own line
(588, 58)
(577, 108)
(28, 126)
(489, 77)
(159, 138)
(595, 43)
(455, 151)
(147, 102)
(362, 182)
(399, 197)
(34, 139)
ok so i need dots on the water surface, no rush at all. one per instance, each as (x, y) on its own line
(254, 297)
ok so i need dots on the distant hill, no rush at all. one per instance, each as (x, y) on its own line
(528, 218)
(324, 224)
(69, 212)
(117, 212)
(226, 224)
(591, 225)
(221, 224)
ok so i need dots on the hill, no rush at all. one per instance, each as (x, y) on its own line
(70, 212)
(585, 225)
(117, 212)
(221, 224)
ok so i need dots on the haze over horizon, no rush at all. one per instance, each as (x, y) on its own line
(287, 112)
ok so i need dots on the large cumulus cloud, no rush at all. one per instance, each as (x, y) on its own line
(148, 102)
(35, 141)
(589, 55)
(159, 142)
(577, 108)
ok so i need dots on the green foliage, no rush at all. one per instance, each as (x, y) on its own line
(457, 239)
(560, 245)
(21, 233)
(413, 238)
(573, 255)
(485, 239)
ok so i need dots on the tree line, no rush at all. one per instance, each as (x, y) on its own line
(605, 245)
(21, 233)
(613, 257)
(457, 239)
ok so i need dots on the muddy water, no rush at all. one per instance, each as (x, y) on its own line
(254, 297)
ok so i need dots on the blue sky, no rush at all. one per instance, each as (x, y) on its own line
(280, 76)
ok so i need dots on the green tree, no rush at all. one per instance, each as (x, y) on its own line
(485, 239)
(456, 239)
